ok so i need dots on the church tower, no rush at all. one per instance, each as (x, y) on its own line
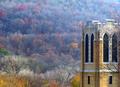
(100, 54)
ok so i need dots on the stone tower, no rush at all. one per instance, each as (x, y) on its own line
(100, 54)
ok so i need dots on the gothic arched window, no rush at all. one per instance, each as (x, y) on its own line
(114, 48)
(86, 48)
(106, 48)
(92, 48)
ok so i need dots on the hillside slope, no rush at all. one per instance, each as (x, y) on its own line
(46, 28)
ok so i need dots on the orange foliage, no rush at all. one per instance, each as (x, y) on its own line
(53, 84)
(24, 81)
(13, 81)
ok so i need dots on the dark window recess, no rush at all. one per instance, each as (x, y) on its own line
(106, 48)
(110, 79)
(114, 48)
(92, 48)
(88, 79)
(86, 48)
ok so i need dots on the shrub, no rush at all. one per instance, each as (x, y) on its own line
(75, 82)
(3, 52)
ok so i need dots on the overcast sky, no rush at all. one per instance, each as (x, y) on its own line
(111, 0)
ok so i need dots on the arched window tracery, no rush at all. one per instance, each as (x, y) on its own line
(92, 48)
(106, 48)
(114, 48)
(86, 48)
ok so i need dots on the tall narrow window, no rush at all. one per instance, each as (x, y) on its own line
(114, 48)
(106, 48)
(88, 79)
(92, 48)
(110, 79)
(86, 48)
